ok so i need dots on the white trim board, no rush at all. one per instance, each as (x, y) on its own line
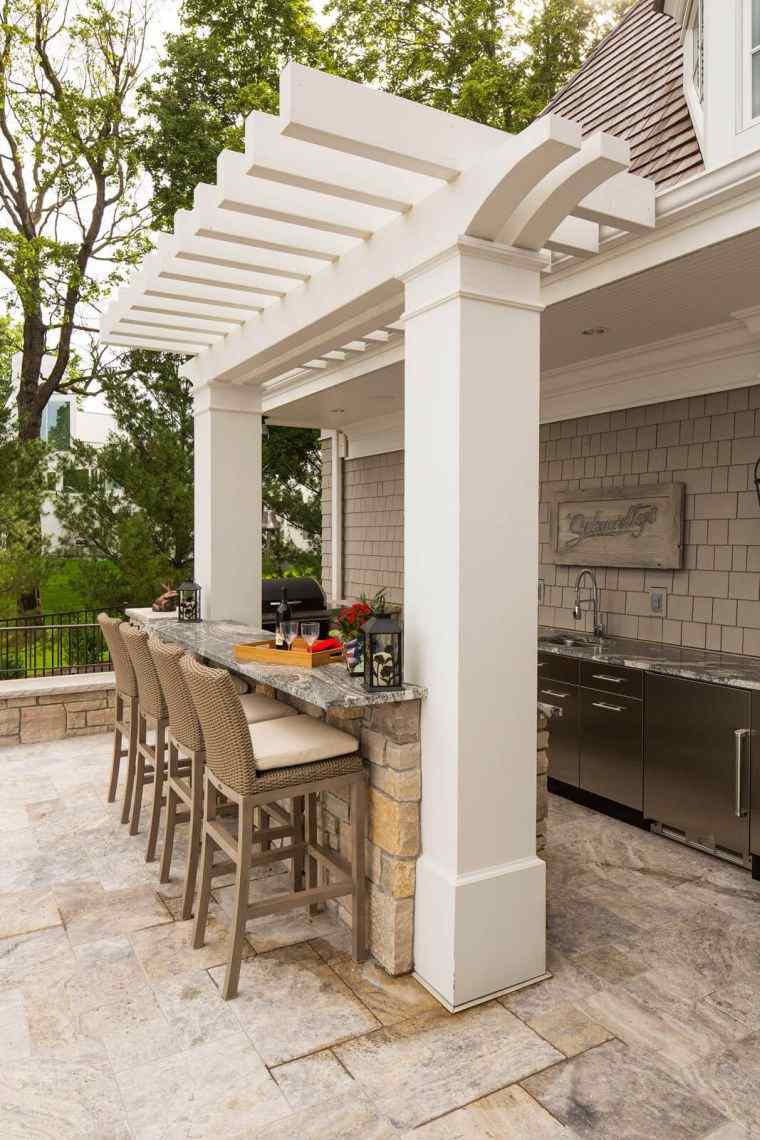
(718, 359)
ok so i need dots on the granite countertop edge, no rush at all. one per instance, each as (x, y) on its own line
(671, 660)
(327, 687)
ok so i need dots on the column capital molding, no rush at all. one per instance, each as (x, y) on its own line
(480, 250)
(471, 269)
(237, 398)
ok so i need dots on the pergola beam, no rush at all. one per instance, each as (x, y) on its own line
(347, 117)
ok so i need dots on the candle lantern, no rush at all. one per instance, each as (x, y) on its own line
(189, 602)
(383, 653)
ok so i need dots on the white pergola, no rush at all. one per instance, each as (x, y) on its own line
(355, 219)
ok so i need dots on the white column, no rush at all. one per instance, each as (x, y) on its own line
(228, 501)
(470, 556)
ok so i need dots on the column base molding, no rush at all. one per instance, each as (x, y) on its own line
(481, 1000)
(480, 934)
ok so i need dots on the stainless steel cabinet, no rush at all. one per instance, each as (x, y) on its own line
(754, 822)
(611, 762)
(563, 735)
(696, 771)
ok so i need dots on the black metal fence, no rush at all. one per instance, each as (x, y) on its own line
(49, 645)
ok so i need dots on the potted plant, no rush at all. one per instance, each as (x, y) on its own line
(351, 620)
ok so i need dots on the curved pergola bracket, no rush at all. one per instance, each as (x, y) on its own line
(537, 217)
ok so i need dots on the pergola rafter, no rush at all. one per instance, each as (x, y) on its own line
(283, 262)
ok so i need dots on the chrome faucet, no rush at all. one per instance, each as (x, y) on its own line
(592, 596)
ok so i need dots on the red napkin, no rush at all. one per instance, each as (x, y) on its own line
(325, 643)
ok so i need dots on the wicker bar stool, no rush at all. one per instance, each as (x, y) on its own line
(126, 697)
(259, 765)
(151, 754)
(184, 790)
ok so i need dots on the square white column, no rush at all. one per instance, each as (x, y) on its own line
(228, 502)
(470, 554)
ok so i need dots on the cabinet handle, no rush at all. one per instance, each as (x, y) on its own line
(553, 693)
(611, 708)
(606, 677)
(740, 734)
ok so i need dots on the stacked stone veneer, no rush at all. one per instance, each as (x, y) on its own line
(390, 742)
(30, 717)
(542, 771)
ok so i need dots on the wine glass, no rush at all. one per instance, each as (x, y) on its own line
(310, 632)
(290, 632)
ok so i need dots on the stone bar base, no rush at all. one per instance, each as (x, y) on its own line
(51, 708)
(390, 742)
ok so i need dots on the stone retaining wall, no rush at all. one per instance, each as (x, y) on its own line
(51, 708)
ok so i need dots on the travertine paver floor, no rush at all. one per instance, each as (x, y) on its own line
(112, 1027)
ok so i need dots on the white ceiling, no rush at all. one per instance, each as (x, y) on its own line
(685, 295)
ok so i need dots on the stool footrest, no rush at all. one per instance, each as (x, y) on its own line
(277, 904)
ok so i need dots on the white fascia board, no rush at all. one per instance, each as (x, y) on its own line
(370, 273)
(358, 120)
(711, 207)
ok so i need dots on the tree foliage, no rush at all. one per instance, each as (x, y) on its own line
(132, 510)
(68, 172)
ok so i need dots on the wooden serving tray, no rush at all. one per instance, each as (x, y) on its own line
(297, 657)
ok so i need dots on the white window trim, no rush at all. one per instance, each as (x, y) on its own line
(747, 53)
(694, 102)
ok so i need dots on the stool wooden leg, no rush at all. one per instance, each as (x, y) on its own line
(207, 858)
(139, 777)
(358, 828)
(131, 758)
(172, 804)
(311, 838)
(196, 832)
(242, 884)
(113, 783)
(297, 812)
(265, 821)
(158, 791)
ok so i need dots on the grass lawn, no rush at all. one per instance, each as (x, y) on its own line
(59, 590)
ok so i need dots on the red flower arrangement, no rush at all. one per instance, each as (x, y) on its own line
(352, 618)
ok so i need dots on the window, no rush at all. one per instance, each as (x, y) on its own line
(56, 424)
(754, 47)
(697, 48)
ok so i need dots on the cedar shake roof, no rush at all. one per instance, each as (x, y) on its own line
(632, 85)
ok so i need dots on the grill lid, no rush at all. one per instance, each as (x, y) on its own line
(307, 591)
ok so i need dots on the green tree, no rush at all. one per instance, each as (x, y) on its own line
(69, 222)
(128, 505)
(223, 64)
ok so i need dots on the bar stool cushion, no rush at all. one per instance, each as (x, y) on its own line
(298, 740)
(257, 708)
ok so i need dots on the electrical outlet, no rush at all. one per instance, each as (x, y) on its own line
(540, 591)
(657, 602)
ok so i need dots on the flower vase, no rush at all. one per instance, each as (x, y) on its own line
(354, 656)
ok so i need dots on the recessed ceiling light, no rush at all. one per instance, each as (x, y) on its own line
(337, 411)
(382, 397)
(595, 330)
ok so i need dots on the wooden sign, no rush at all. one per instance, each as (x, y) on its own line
(620, 526)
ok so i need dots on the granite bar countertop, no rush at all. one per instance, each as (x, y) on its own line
(672, 660)
(328, 686)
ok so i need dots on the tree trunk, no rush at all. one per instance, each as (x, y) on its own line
(30, 407)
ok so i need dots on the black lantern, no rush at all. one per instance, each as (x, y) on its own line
(189, 602)
(383, 654)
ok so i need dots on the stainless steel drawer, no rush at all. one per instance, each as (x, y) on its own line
(563, 733)
(611, 747)
(553, 667)
(613, 679)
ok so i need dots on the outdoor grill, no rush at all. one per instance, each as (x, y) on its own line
(305, 595)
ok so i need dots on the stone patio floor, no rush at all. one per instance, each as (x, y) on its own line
(111, 1026)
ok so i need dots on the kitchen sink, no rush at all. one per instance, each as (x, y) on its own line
(570, 640)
